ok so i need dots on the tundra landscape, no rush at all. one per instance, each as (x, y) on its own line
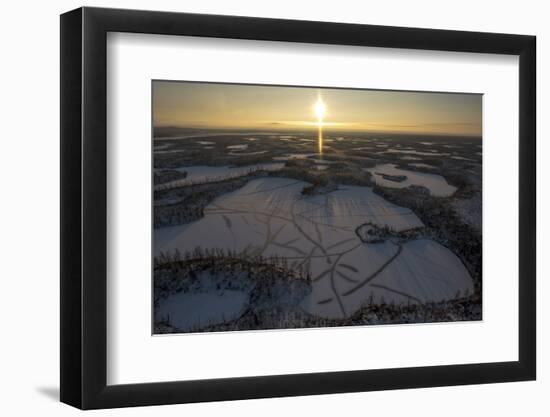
(313, 225)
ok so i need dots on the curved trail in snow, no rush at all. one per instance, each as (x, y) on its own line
(375, 273)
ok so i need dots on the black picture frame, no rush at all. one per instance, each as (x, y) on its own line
(84, 207)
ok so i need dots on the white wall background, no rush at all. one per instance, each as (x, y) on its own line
(29, 237)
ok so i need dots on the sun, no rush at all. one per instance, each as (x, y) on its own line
(320, 110)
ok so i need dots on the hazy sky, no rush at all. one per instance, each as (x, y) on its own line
(209, 105)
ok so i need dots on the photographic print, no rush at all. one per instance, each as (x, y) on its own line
(284, 207)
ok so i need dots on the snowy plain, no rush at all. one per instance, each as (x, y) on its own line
(271, 217)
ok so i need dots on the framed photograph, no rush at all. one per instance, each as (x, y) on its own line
(258, 207)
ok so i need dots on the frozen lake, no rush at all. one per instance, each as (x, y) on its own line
(414, 152)
(270, 216)
(290, 156)
(421, 165)
(437, 185)
(190, 311)
(240, 147)
(204, 173)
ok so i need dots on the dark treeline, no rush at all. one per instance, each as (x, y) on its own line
(187, 203)
(167, 175)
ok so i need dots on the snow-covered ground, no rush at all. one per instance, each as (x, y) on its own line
(461, 158)
(204, 173)
(240, 147)
(188, 311)
(414, 152)
(157, 152)
(290, 156)
(421, 165)
(470, 210)
(437, 185)
(247, 153)
(270, 216)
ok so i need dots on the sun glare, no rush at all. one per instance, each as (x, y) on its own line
(320, 110)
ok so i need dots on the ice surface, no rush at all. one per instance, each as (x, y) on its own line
(247, 153)
(238, 147)
(188, 311)
(461, 158)
(421, 165)
(169, 151)
(437, 185)
(204, 173)
(290, 156)
(414, 152)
